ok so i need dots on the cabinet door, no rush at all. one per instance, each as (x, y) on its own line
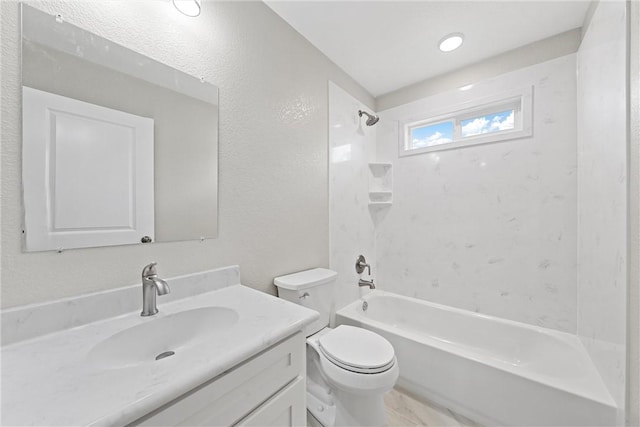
(286, 409)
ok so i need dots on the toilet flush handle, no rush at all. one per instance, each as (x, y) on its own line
(304, 296)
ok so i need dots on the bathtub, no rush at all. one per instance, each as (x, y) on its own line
(494, 371)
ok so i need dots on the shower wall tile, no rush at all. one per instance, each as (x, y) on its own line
(488, 228)
(351, 148)
(602, 193)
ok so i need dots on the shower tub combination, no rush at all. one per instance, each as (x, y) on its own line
(494, 371)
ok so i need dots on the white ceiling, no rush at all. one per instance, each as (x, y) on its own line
(386, 45)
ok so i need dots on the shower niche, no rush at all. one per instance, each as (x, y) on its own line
(380, 185)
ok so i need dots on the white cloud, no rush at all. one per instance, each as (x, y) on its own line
(507, 123)
(435, 139)
(476, 127)
(482, 125)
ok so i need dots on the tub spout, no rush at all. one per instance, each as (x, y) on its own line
(368, 283)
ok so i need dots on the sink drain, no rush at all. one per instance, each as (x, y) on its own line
(165, 354)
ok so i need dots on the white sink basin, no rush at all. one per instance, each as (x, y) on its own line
(159, 338)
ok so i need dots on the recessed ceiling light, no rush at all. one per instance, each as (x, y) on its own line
(451, 42)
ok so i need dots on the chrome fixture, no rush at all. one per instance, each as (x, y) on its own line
(368, 283)
(371, 120)
(151, 284)
(165, 354)
(188, 7)
(361, 264)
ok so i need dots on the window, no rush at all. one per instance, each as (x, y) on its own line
(431, 135)
(489, 123)
(501, 118)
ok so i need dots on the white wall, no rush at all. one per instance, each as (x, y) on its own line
(489, 228)
(633, 303)
(602, 193)
(273, 173)
(352, 146)
(534, 53)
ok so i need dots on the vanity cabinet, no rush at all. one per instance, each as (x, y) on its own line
(266, 390)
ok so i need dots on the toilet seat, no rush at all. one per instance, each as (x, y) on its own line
(357, 350)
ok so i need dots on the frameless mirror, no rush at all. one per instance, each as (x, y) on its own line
(117, 148)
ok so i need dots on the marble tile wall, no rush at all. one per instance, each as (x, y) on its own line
(489, 228)
(351, 148)
(602, 193)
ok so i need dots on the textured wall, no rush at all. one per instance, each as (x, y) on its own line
(602, 193)
(489, 228)
(273, 172)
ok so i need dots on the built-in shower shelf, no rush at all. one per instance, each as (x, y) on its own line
(380, 185)
(380, 196)
(378, 165)
(380, 204)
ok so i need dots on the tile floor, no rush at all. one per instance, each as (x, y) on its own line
(404, 410)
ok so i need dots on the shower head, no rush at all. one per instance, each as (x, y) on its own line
(371, 120)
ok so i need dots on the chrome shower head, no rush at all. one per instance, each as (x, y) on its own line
(371, 120)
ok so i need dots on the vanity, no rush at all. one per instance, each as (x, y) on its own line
(216, 353)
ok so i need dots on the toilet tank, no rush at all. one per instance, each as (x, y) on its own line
(312, 289)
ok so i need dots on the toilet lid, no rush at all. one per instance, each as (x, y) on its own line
(357, 349)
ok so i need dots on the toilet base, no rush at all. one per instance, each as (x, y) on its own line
(349, 411)
(313, 421)
(352, 410)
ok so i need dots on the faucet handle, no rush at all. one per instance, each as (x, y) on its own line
(150, 270)
(361, 264)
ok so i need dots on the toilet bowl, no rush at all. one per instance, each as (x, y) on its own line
(348, 368)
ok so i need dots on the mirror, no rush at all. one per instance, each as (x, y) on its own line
(87, 179)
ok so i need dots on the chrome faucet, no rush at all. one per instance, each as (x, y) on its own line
(368, 283)
(361, 264)
(151, 284)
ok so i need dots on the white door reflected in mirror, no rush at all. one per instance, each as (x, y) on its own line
(87, 174)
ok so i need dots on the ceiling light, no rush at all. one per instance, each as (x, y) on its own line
(451, 42)
(465, 87)
(188, 7)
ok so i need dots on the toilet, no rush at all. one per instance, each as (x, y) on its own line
(349, 369)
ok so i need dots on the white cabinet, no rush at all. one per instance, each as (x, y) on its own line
(287, 408)
(265, 390)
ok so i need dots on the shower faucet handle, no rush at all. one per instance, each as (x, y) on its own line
(361, 264)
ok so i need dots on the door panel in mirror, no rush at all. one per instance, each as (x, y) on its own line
(87, 174)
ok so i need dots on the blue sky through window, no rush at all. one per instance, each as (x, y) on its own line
(430, 135)
(494, 122)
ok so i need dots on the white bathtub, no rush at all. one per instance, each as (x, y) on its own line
(494, 371)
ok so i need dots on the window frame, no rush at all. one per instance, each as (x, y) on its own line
(519, 100)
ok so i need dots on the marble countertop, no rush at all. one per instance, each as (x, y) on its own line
(49, 380)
